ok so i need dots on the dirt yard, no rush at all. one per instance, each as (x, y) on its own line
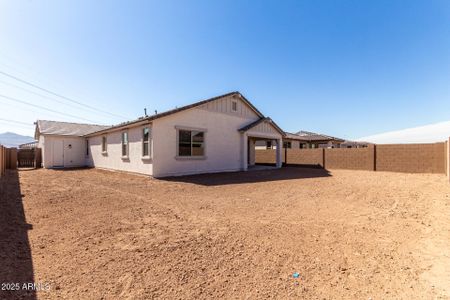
(91, 234)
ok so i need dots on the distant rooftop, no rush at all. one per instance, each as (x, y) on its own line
(311, 136)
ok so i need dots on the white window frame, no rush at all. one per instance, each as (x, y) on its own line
(150, 152)
(122, 143)
(191, 157)
(104, 138)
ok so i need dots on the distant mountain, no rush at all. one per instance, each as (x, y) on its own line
(432, 133)
(11, 139)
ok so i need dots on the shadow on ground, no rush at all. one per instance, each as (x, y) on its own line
(286, 173)
(16, 265)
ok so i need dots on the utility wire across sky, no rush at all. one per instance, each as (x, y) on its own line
(44, 96)
(45, 108)
(17, 122)
(62, 96)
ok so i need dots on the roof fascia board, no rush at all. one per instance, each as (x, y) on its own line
(119, 128)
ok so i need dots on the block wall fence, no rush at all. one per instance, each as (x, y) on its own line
(409, 158)
(447, 158)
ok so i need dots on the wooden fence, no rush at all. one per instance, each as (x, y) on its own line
(410, 158)
(12, 158)
(2, 161)
(8, 159)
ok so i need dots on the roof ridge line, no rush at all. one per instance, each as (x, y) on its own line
(90, 124)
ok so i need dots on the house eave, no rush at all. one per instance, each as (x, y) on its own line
(119, 128)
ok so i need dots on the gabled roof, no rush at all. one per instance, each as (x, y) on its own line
(176, 110)
(66, 128)
(257, 122)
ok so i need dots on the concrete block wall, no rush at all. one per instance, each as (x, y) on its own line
(267, 156)
(447, 158)
(350, 158)
(305, 156)
(411, 158)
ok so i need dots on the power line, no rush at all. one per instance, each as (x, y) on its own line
(44, 108)
(13, 105)
(15, 125)
(18, 122)
(60, 96)
(43, 96)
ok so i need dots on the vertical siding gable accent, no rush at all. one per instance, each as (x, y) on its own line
(224, 105)
(264, 128)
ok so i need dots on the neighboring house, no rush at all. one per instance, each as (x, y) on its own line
(30, 145)
(317, 140)
(306, 139)
(214, 135)
(354, 144)
(289, 141)
(303, 139)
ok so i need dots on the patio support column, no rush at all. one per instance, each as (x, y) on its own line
(251, 151)
(279, 152)
(244, 151)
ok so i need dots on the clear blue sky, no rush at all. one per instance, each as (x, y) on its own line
(345, 68)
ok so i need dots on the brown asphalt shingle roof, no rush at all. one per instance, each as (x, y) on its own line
(66, 128)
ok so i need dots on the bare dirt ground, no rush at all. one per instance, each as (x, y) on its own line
(95, 234)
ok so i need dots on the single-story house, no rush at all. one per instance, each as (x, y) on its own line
(213, 135)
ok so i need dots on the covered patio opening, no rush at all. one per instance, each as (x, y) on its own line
(263, 129)
(258, 146)
(274, 159)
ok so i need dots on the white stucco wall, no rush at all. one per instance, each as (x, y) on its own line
(113, 158)
(73, 150)
(41, 141)
(223, 149)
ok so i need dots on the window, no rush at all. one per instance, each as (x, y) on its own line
(104, 144)
(269, 145)
(287, 145)
(146, 142)
(124, 144)
(87, 147)
(191, 143)
(303, 146)
(234, 106)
